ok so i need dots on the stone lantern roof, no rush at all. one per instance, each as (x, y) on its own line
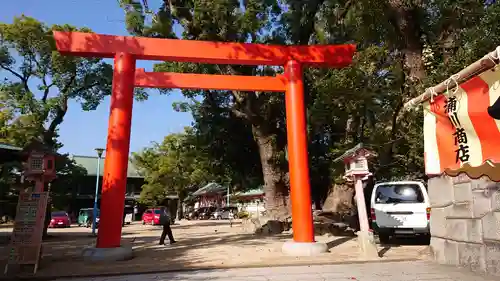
(358, 150)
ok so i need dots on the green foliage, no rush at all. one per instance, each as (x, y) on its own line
(175, 166)
(69, 176)
(403, 47)
(37, 85)
(226, 123)
(8, 179)
(243, 215)
(28, 57)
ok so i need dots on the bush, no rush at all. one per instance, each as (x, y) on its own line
(243, 215)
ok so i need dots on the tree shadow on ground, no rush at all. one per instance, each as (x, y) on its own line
(339, 241)
(58, 236)
(150, 257)
(62, 253)
(198, 247)
(207, 223)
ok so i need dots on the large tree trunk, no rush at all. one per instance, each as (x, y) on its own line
(275, 183)
(340, 200)
(404, 19)
(50, 133)
(387, 157)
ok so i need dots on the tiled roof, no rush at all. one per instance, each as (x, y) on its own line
(353, 151)
(90, 164)
(209, 189)
(10, 153)
(250, 193)
(10, 147)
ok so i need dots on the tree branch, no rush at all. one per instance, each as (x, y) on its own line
(48, 136)
(13, 72)
(307, 28)
(238, 113)
(46, 91)
(83, 88)
(63, 92)
(66, 87)
(24, 79)
(343, 13)
(61, 110)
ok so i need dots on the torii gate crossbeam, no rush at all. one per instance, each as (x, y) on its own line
(209, 82)
(126, 50)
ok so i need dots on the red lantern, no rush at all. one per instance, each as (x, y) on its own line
(40, 166)
(49, 167)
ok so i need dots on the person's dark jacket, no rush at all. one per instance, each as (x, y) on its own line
(164, 217)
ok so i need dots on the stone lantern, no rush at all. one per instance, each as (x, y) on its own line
(356, 170)
(39, 166)
(356, 163)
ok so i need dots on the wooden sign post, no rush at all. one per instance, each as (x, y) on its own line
(26, 241)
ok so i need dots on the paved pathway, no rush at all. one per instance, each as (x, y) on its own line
(201, 245)
(387, 271)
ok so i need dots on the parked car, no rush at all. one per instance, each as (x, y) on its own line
(59, 219)
(216, 214)
(224, 213)
(193, 215)
(400, 208)
(188, 215)
(151, 216)
(85, 217)
(206, 213)
(200, 213)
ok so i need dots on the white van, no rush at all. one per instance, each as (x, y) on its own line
(400, 208)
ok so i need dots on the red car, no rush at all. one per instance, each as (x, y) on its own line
(151, 216)
(60, 219)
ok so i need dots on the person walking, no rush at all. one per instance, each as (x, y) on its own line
(165, 222)
(231, 216)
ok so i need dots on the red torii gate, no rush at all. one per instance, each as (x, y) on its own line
(126, 50)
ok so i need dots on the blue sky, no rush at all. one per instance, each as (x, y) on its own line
(83, 131)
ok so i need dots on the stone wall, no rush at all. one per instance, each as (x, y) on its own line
(465, 222)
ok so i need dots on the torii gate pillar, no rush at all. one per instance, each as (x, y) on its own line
(302, 219)
(117, 152)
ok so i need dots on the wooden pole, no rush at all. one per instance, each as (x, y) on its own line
(487, 62)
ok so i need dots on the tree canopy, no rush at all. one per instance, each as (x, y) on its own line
(37, 85)
(173, 166)
(403, 47)
(39, 82)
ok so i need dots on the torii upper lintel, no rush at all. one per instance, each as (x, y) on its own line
(106, 46)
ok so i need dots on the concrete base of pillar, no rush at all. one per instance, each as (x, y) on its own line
(303, 249)
(367, 244)
(121, 253)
